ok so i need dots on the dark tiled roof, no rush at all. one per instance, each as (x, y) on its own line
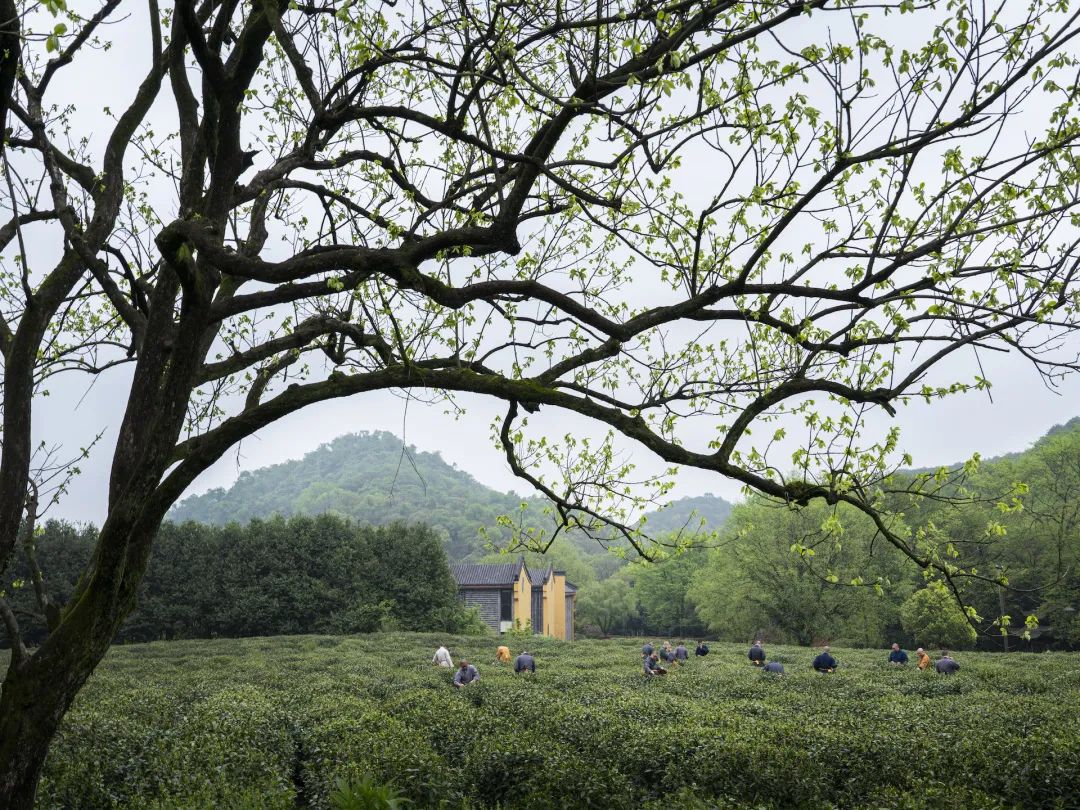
(538, 578)
(490, 574)
(570, 587)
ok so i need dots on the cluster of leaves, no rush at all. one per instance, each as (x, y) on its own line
(183, 724)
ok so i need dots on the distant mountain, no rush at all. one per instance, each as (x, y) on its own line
(369, 478)
(686, 514)
(1069, 427)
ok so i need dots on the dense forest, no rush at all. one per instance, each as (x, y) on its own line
(814, 573)
(279, 576)
(334, 543)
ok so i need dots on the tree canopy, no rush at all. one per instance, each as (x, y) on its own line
(774, 220)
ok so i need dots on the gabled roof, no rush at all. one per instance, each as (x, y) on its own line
(570, 587)
(538, 578)
(492, 575)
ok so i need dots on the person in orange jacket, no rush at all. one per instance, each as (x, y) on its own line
(502, 655)
(922, 660)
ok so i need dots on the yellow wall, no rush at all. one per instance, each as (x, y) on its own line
(522, 600)
(554, 599)
(557, 587)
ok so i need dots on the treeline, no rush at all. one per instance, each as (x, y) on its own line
(774, 572)
(279, 576)
(817, 574)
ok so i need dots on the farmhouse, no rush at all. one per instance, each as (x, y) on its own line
(509, 594)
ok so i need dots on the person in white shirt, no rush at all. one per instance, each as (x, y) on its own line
(442, 658)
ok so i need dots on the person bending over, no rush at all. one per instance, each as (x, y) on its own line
(824, 662)
(465, 675)
(897, 656)
(442, 658)
(524, 663)
(652, 666)
(946, 665)
(757, 654)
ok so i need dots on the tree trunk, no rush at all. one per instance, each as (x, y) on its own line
(33, 700)
(38, 691)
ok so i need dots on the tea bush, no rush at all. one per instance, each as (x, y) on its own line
(284, 722)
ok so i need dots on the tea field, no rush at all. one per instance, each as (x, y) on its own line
(275, 722)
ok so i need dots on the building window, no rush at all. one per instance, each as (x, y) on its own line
(506, 606)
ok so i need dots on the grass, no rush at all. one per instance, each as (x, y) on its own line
(276, 722)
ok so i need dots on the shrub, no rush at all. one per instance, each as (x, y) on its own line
(932, 618)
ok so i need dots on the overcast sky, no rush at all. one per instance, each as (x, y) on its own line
(1021, 410)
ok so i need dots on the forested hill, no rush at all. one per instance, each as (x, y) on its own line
(687, 514)
(365, 476)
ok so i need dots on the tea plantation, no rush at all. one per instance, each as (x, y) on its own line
(276, 722)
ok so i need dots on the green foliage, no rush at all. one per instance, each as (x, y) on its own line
(932, 617)
(778, 574)
(520, 633)
(296, 575)
(369, 477)
(606, 607)
(322, 721)
(365, 794)
(663, 595)
(471, 623)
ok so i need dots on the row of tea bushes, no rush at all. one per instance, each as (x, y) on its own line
(277, 722)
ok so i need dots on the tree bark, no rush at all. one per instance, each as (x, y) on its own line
(38, 691)
(33, 700)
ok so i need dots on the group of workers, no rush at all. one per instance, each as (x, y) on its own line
(945, 665)
(467, 673)
(825, 662)
(652, 657)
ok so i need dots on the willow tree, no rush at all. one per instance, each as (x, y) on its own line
(673, 220)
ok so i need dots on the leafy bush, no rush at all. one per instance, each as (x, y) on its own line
(931, 617)
(365, 794)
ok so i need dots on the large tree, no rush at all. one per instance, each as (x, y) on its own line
(674, 219)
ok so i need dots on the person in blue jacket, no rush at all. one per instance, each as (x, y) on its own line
(775, 668)
(524, 663)
(757, 654)
(465, 675)
(946, 665)
(897, 656)
(824, 662)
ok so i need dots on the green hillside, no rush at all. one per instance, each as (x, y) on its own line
(367, 477)
(687, 514)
